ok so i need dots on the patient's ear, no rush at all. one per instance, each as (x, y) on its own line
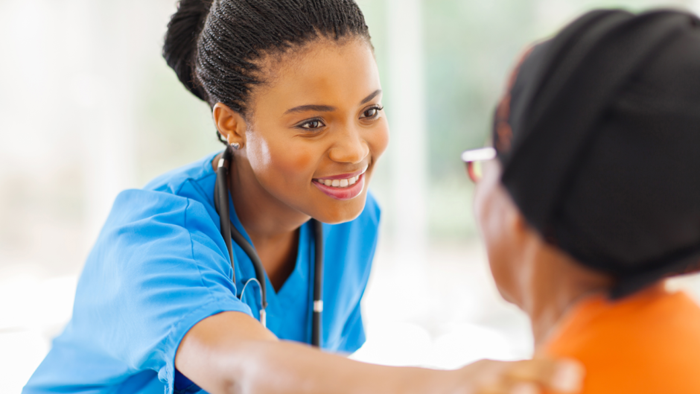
(513, 220)
(518, 223)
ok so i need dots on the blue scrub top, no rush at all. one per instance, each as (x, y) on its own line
(160, 265)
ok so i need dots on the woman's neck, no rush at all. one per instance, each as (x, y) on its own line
(547, 311)
(555, 284)
(273, 227)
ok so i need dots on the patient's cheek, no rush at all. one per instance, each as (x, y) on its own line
(491, 214)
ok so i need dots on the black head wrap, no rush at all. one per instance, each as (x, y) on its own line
(599, 138)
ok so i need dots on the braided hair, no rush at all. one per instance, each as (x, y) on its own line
(215, 46)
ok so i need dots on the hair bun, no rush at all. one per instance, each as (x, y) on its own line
(180, 45)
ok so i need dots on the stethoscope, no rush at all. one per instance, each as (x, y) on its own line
(229, 232)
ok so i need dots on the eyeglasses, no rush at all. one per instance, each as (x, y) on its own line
(474, 158)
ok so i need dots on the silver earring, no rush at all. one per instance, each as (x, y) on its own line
(236, 146)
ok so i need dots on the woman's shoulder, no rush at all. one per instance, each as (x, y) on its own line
(372, 211)
(180, 199)
(359, 235)
(370, 215)
(367, 222)
(173, 181)
(174, 197)
(654, 331)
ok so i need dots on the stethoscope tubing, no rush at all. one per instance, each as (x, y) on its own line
(318, 285)
(230, 233)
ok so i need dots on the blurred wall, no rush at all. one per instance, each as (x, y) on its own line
(88, 108)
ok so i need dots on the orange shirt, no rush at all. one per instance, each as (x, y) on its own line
(648, 343)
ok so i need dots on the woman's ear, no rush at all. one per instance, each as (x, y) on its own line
(231, 125)
(518, 223)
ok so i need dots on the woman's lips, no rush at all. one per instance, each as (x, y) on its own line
(341, 189)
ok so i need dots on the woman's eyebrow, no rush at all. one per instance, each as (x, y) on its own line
(328, 108)
(371, 96)
(302, 108)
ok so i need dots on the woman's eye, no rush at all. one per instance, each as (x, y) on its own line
(371, 113)
(312, 125)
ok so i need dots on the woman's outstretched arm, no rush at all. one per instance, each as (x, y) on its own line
(232, 353)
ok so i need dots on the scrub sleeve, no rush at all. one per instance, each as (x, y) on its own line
(161, 276)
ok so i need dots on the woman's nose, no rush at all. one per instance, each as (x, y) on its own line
(350, 147)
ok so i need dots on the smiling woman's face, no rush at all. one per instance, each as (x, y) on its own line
(317, 129)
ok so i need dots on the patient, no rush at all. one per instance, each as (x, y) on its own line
(593, 198)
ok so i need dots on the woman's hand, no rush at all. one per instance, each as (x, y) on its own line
(522, 377)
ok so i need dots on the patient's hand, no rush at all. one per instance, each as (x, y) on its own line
(522, 377)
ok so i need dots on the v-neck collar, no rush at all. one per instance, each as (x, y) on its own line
(279, 301)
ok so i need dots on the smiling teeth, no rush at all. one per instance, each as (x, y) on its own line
(340, 183)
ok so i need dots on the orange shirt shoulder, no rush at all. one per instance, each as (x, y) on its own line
(648, 343)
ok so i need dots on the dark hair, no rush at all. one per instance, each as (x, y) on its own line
(598, 138)
(213, 45)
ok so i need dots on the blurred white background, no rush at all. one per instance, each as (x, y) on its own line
(88, 108)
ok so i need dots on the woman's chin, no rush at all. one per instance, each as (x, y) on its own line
(337, 211)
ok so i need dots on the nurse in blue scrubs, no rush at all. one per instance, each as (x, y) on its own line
(296, 97)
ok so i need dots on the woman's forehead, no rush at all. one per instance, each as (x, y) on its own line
(324, 72)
